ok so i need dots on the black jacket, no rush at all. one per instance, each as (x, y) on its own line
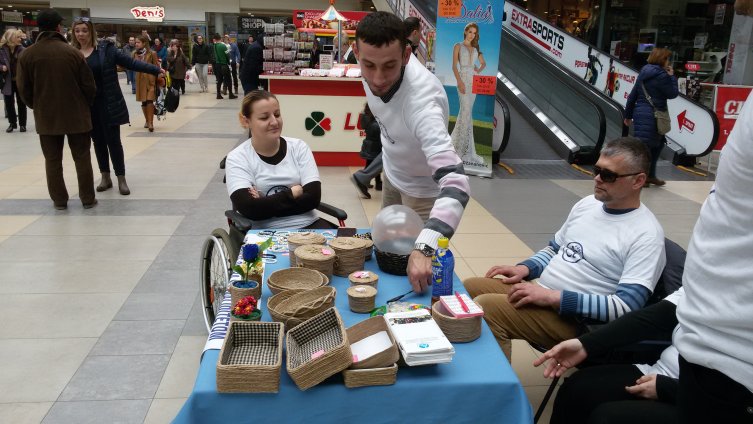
(253, 62)
(110, 57)
(201, 53)
(372, 144)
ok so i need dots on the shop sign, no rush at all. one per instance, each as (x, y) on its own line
(249, 23)
(318, 123)
(14, 17)
(310, 19)
(693, 67)
(149, 13)
(729, 103)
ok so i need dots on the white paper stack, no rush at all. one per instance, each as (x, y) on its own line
(419, 338)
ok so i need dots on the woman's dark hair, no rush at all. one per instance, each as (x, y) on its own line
(248, 102)
(144, 42)
(381, 28)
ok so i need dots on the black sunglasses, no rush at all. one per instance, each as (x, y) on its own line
(610, 176)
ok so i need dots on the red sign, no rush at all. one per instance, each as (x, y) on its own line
(729, 103)
(151, 14)
(684, 123)
(450, 8)
(693, 67)
(310, 19)
(483, 84)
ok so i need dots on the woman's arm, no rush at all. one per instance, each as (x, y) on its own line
(482, 62)
(455, 60)
(132, 64)
(279, 204)
(668, 86)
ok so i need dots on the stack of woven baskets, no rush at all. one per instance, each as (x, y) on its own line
(379, 369)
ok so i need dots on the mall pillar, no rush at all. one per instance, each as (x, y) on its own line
(739, 67)
(219, 25)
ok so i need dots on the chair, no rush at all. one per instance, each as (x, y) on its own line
(647, 351)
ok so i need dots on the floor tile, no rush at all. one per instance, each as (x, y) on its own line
(156, 306)
(103, 226)
(489, 245)
(10, 225)
(480, 266)
(471, 224)
(163, 410)
(37, 370)
(139, 338)
(96, 412)
(181, 372)
(24, 413)
(116, 378)
(71, 277)
(81, 248)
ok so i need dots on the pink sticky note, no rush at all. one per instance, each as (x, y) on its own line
(326, 251)
(355, 358)
(363, 274)
(317, 354)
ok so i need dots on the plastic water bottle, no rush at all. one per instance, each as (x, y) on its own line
(442, 270)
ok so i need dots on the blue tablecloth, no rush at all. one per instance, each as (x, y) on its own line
(477, 386)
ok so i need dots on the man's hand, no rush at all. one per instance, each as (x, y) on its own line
(419, 271)
(511, 274)
(297, 191)
(645, 387)
(253, 192)
(627, 122)
(522, 294)
(561, 357)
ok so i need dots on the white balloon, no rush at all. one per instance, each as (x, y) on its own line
(395, 229)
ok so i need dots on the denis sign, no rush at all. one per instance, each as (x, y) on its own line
(149, 13)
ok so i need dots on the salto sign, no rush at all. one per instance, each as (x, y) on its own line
(151, 13)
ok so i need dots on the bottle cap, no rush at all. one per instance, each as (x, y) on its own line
(443, 242)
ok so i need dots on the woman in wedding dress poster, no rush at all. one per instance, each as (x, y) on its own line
(467, 61)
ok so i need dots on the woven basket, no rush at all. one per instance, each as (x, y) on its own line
(296, 240)
(237, 293)
(367, 278)
(287, 321)
(317, 349)
(391, 263)
(370, 377)
(295, 279)
(312, 256)
(365, 329)
(351, 254)
(366, 236)
(457, 330)
(251, 358)
(307, 303)
(361, 298)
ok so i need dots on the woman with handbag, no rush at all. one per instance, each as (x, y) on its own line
(177, 65)
(10, 49)
(109, 110)
(146, 84)
(646, 106)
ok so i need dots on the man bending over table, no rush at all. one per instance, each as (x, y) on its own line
(603, 262)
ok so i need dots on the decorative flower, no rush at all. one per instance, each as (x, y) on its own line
(252, 263)
(245, 307)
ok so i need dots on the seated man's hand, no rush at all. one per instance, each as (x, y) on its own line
(511, 274)
(297, 191)
(419, 271)
(522, 294)
(645, 387)
(565, 355)
(253, 192)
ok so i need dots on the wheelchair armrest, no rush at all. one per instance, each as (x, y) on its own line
(240, 222)
(338, 213)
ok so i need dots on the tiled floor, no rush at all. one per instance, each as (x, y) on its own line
(102, 321)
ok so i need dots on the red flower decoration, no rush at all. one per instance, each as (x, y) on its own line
(245, 306)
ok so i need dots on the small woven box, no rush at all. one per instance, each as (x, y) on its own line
(457, 330)
(251, 358)
(318, 257)
(361, 298)
(351, 254)
(296, 240)
(296, 279)
(317, 349)
(367, 328)
(386, 376)
(363, 277)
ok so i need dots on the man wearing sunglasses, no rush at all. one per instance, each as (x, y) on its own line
(603, 262)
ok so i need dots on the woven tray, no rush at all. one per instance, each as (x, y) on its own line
(317, 349)
(368, 278)
(296, 240)
(308, 302)
(311, 256)
(287, 321)
(457, 330)
(370, 377)
(365, 329)
(351, 254)
(361, 298)
(251, 358)
(296, 279)
(391, 263)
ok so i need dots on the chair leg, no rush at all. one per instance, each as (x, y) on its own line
(544, 401)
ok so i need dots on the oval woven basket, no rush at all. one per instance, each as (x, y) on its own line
(295, 240)
(313, 256)
(351, 254)
(367, 278)
(391, 263)
(272, 302)
(307, 303)
(296, 279)
(457, 330)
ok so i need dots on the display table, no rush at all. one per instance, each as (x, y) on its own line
(477, 386)
(324, 113)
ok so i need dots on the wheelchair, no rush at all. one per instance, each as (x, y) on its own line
(220, 252)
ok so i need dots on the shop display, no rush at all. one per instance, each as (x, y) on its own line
(286, 50)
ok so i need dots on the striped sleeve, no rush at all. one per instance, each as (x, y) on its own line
(628, 297)
(454, 193)
(540, 260)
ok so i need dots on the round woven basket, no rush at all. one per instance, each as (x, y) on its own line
(391, 263)
(308, 303)
(237, 293)
(296, 240)
(367, 278)
(457, 330)
(361, 298)
(272, 302)
(314, 256)
(351, 254)
(296, 279)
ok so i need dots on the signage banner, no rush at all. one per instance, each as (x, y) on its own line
(427, 37)
(14, 17)
(610, 76)
(150, 14)
(310, 19)
(467, 54)
(729, 102)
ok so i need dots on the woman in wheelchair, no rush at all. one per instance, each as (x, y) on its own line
(273, 180)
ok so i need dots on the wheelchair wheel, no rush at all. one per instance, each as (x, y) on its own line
(215, 273)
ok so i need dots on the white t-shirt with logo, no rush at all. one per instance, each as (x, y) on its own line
(244, 169)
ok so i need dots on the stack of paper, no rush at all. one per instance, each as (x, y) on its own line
(419, 338)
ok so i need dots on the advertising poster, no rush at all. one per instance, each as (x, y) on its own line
(466, 56)
(729, 103)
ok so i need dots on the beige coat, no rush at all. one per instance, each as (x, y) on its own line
(146, 84)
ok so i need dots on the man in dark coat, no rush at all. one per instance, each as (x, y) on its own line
(200, 57)
(55, 81)
(252, 67)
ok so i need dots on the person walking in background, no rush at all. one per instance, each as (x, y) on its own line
(109, 111)
(128, 51)
(252, 66)
(146, 84)
(234, 56)
(201, 55)
(658, 80)
(10, 49)
(161, 51)
(55, 82)
(177, 65)
(221, 70)
(371, 148)
(413, 32)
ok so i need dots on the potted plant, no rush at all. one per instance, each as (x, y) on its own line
(246, 310)
(251, 269)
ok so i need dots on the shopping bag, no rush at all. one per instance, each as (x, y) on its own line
(191, 76)
(172, 99)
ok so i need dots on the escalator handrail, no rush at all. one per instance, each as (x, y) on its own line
(506, 120)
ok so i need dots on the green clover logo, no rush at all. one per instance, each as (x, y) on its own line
(318, 124)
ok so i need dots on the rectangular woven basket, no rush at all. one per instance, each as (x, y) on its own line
(317, 349)
(371, 377)
(251, 358)
(365, 329)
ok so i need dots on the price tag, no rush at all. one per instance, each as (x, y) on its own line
(484, 84)
(449, 8)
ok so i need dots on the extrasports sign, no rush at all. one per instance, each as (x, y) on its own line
(150, 13)
(611, 77)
